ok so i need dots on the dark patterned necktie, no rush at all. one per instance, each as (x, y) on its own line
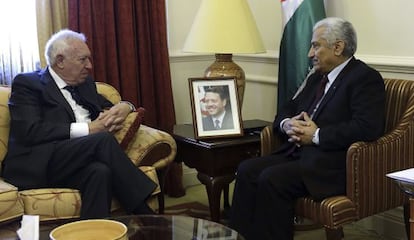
(82, 102)
(318, 96)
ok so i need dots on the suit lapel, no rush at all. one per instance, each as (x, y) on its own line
(335, 85)
(52, 91)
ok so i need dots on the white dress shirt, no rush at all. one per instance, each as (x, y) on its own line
(80, 127)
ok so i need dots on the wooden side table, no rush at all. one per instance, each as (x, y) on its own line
(216, 160)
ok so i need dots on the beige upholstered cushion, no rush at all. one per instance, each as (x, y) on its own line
(10, 205)
(51, 203)
(4, 121)
(109, 92)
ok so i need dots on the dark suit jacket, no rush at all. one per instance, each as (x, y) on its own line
(227, 123)
(40, 115)
(352, 110)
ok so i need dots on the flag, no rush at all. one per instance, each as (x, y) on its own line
(299, 16)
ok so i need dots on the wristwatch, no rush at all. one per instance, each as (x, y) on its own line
(131, 106)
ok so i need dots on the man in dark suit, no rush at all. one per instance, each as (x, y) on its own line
(62, 140)
(217, 106)
(317, 135)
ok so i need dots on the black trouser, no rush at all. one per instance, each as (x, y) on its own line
(100, 169)
(264, 195)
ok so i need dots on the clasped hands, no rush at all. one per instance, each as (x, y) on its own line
(110, 120)
(300, 129)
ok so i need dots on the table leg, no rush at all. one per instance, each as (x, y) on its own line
(411, 224)
(214, 187)
(226, 197)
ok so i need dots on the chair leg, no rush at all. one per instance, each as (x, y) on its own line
(226, 197)
(161, 200)
(407, 218)
(334, 234)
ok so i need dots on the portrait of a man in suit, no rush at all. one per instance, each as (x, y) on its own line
(217, 107)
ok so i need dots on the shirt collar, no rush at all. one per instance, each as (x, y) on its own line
(58, 80)
(220, 117)
(335, 72)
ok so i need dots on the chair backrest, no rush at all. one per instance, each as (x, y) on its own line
(4, 121)
(399, 102)
(368, 163)
(108, 91)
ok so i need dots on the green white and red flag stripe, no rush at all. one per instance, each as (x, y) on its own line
(298, 19)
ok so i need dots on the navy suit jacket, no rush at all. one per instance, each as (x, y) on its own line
(40, 115)
(352, 110)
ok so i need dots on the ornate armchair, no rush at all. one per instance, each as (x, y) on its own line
(368, 190)
(150, 149)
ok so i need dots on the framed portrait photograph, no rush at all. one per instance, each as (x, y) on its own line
(215, 107)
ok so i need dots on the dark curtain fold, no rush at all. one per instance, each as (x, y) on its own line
(128, 40)
(129, 50)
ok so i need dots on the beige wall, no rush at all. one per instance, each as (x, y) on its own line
(384, 27)
(385, 38)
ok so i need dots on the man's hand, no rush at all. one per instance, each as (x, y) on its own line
(293, 128)
(110, 120)
(308, 130)
(100, 124)
(300, 129)
(117, 114)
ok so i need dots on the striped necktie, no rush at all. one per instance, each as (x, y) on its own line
(217, 124)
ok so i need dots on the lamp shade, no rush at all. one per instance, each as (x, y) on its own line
(224, 26)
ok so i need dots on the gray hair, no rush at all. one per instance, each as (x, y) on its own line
(339, 29)
(59, 44)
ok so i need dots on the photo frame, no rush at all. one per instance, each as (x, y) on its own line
(215, 107)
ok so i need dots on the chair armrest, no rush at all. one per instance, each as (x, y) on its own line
(152, 147)
(108, 91)
(145, 146)
(268, 141)
(369, 162)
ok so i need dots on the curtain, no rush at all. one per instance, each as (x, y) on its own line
(52, 16)
(18, 39)
(128, 40)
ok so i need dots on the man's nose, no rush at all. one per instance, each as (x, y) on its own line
(88, 64)
(311, 53)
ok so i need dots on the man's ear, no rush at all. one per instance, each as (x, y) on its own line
(59, 60)
(339, 47)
